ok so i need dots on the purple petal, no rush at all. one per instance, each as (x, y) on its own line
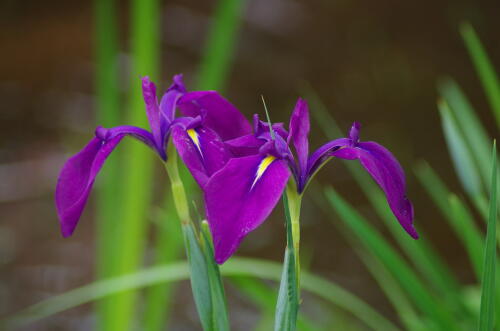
(78, 174)
(218, 114)
(387, 172)
(299, 132)
(76, 180)
(170, 98)
(244, 145)
(152, 109)
(238, 199)
(202, 151)
(320, 156)
(261, 128)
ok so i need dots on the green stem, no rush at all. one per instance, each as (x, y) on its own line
(178, 191)
(294, 204)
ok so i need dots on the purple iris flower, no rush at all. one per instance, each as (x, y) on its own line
(242, 194)
(207, 118)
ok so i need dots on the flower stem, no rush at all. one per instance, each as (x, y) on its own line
(294, 204)
(178, 191)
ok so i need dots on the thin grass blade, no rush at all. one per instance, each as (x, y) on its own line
(108, 115)
(484, 68)
(167, 249)
(488, 287)
(374, 242)
(220, 45)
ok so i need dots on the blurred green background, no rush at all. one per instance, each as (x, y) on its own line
(373, 62)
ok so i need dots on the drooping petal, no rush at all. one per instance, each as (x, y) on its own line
(202, 151)
(387, 172)
(76, 180)
(79, 172)
(299, 132)
(240, 197)
(218, 114)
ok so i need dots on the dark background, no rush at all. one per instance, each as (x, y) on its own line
(376, 62)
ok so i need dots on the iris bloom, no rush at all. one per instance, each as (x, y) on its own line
(242, 194)
(207, 118)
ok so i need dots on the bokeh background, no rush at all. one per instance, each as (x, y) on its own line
(376, 62)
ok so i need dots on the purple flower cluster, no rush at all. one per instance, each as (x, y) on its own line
(241, 168)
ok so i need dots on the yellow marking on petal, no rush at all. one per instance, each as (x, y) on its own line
(195, 139)
(263, 165)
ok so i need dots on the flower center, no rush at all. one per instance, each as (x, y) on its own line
(195, 139)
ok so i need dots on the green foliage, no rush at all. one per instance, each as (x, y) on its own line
(287, 306)
(487, 312)
(262, 269)
(483, 67)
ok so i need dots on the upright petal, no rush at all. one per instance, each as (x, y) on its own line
(152, 109)
(76, 180)
(202, 151)
(387, 172)
(79, 172)
(240, 197)
(169, 99)
(299, 132)
(218, 113)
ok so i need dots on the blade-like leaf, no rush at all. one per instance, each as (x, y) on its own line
(477, 142)
(372, 241)
(459, 151)
(220, 320)
(483, 67)
(287, 306)
(263, 269)
(467, 231)
(487, 312)
(199, 277)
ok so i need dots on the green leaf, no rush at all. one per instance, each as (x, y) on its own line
(484, 68)
(168, 246)
(220, 320)
(323, 288)
(487, 311)
(477, 142)
(200, 283)
(373, 242)
(287, 306)
(219, 48)
(459, 151)
(467, 231)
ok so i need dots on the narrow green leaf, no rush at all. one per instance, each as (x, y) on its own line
(167, 249)
(200, 283)
(287, 306)
(487, 312)
(137, 161)
(372, 241)
(484, 68)
(477, 142)
(467, 231)
(220, 45)
(108, 115)
(393, 292)
(459, 151)
(220, 320)
(263, 269)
